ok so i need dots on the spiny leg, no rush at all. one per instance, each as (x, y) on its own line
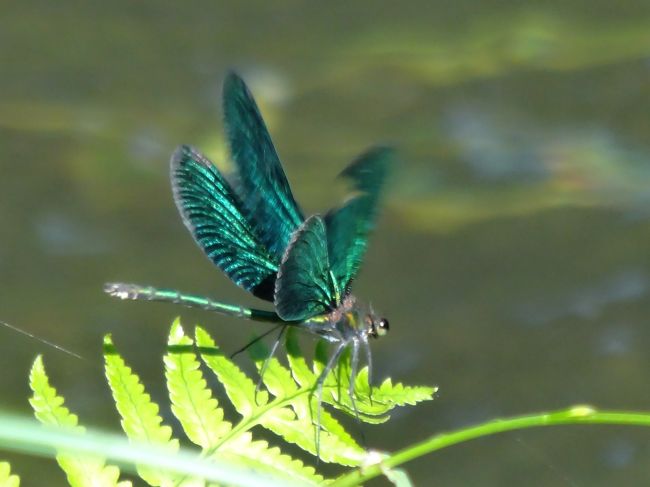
(268, 360)
(369, 363)
(354, 366)
(318, 387)
(255, 340)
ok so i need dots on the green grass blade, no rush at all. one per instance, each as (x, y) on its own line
(81, 470)
(258, 455)
(27, 436)
(573, 415)
(399, 477)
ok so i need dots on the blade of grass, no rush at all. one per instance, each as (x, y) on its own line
(572, 415)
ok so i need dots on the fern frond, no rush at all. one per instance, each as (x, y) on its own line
(303, 375)
(240, 389)
(7, 479)
(47, 404)
(283, 402)
(288, 415)
(202, 419)
(398, 394)
(81, 470)
(243, 451)
(373, 403)
(300, 370)
(140, 419)
(192, 402)
(301, 427)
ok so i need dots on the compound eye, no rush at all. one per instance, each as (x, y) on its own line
(382, 326)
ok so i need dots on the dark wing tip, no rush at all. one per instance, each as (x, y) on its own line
(232, 77)
(180, 158)
(379, 155)
(185, 153)
(178, 155)
(233, 85)
(369, 170)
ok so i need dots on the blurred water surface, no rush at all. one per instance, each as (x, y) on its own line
(513, 251)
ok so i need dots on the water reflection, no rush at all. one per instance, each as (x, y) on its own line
(588, 301)
(59, 234)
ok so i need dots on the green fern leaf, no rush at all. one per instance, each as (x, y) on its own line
(200, 416)
(303, 375)
(284, 415)
(277, 379)
(140, 419)
(245, 452)
(47, 404)
(240, 389)
(400, 395)
(301, 372)
(373, 404)
(284, 402)
(336, 389)
(7, 479)
(299, 427)
(81, 470)
(192, 402)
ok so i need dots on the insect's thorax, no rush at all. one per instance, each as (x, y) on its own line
(344, 323)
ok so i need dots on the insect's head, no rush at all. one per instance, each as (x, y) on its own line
(376, 326)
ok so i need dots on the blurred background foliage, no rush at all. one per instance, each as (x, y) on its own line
(512, 255)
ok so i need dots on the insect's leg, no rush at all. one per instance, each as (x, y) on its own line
(268, 359)
(354, 368)
(255, 340)
(369, 363)
(318, 387)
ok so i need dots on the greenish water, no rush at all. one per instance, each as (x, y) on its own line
(513, 251)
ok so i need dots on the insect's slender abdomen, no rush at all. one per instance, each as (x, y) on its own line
(149, 293)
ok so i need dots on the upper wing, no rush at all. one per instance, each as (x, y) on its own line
(264, 188)
(214, 216)
(305, 286)
(349, 225)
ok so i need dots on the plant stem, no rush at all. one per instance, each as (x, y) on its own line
(573, 415)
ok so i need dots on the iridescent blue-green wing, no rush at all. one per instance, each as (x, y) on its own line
(263, 187)
(348, 226)
(305, 286)
(216, 219)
